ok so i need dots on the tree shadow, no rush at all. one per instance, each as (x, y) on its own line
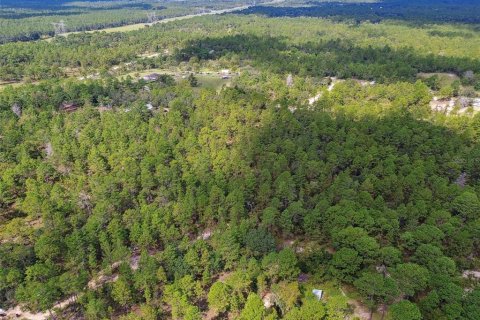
(327, 170)
(338, 58)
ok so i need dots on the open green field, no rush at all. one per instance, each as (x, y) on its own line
(213, 81)
(208, 79)
(445, 79)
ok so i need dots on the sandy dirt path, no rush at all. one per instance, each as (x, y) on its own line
(102, 278)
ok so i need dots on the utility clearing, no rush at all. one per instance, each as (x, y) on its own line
(138, 26)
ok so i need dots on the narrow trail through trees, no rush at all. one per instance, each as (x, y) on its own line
(102, 278)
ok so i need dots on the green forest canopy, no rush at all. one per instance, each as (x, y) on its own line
(209, 201)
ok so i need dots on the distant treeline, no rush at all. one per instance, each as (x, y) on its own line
(62, 4)
(328, 58)
(34, 19)
(426, 11)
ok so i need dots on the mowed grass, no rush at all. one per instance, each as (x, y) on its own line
(125, 28)
(445, 79)
(208, 81)
(141, 73)
(212, 81)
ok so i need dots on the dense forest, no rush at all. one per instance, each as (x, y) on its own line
(416, 12)
(315, 181)
(370, 195)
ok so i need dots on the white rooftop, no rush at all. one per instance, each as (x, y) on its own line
(318, 293)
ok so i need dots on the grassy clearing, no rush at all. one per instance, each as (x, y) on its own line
(125, 28)
(210, 80)
(445, 79)
(360, 310)
(138, 74)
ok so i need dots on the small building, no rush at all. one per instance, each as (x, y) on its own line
(3, 313)
(225, 72)
(149, 106)
(68, 107)
(318, 293)
(151, 77)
